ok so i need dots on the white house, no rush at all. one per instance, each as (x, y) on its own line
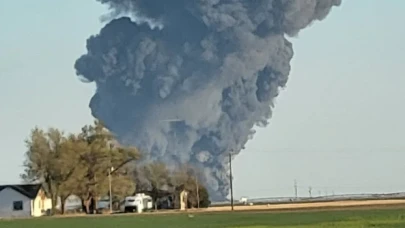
(27, 200)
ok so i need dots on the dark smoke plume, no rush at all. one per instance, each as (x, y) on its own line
(191, 89)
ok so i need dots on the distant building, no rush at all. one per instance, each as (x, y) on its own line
(29, 200)
(243, 200)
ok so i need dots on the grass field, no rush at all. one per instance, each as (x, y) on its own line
(385, 218)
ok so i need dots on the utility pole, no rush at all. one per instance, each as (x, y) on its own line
(310, 191)
(295, 189)
(230, 178)
(197, 190)
(109, 181)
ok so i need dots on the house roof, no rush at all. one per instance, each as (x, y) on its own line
(28, 190)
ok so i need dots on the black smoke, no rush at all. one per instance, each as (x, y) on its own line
(187, 80)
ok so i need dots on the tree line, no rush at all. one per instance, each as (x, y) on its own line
(80, 164)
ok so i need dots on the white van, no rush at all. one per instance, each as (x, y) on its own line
(139, 203)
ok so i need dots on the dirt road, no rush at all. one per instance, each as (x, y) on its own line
(294, 206)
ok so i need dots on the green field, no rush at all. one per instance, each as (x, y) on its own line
(388, 218)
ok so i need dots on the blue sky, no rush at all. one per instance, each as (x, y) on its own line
(338, 126)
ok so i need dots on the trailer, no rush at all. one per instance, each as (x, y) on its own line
(137, 203)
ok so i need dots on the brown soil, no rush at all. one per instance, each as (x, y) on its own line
(318, 205)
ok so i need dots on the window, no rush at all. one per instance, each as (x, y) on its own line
(17, 205)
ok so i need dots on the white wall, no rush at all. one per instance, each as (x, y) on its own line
(37, 207)
(7, 197)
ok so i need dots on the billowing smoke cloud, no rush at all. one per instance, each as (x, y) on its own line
(192, 89)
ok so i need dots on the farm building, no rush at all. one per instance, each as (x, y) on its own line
(29, 200)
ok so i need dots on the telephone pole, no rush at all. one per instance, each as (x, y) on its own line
(197, 190)
(295, 189)
(230, 178)
(110, 170)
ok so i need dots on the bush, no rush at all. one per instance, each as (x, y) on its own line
(204, 197)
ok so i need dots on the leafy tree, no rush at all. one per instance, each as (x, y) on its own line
(122, 184)
(75, 147)
(102, 153)
(204, 197)
(51, 159)
(77, 164)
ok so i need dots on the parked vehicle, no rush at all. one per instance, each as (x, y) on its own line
(139, 203)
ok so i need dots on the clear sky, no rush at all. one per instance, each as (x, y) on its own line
(338, 126)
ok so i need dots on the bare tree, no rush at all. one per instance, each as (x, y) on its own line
(190, 178)
(158, 176)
